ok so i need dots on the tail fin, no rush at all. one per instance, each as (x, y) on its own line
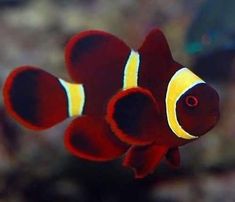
(39, 100)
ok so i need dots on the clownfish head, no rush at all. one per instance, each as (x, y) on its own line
(192, 106)
(198, 109)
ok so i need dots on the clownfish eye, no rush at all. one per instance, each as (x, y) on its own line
(191, 101)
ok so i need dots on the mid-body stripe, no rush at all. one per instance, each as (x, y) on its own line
(76, 97)
(130, 78)
(75, 92)
(181, 81)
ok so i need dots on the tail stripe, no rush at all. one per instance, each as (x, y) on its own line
(76, 97)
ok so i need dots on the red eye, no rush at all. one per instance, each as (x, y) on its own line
(191, 101)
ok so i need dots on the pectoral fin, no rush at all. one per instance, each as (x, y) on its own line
(134, 116)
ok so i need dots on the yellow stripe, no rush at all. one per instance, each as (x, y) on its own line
(182, 81)
(76, 97)
(131, 71)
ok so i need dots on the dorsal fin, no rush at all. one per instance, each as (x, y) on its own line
(155, 45)
(91, 53)
(157, 64)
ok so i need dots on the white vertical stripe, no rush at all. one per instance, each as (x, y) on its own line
(131, 70)
(76, 97)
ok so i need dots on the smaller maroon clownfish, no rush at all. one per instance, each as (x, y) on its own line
(140, 103)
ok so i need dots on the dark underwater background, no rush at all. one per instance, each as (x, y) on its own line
(35, 167)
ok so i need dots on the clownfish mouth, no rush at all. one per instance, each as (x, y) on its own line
(210, 122)
(214, 113)
(214, 117)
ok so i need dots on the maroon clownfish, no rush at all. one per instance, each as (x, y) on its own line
(140, 103)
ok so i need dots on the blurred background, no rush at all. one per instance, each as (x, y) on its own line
(35, 167)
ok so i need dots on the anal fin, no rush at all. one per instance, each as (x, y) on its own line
(91, 138)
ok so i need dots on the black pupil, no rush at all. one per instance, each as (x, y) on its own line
(191, 101)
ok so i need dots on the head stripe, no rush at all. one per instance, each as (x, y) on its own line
(131, 70)
(181, 81)
(76, 97)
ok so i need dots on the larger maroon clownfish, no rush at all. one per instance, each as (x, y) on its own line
(140, 103)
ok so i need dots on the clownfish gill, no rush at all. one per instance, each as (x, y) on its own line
(181, 81)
